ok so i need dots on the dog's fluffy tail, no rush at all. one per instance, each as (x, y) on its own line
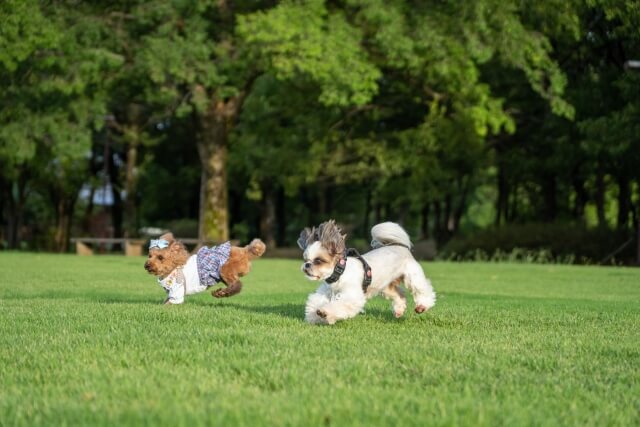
(389, 232)
(256, 248)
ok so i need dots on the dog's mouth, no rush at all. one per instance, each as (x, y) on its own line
(310, 275)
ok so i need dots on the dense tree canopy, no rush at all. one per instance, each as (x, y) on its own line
(260, 117)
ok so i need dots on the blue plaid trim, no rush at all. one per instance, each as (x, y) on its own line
(210, 260)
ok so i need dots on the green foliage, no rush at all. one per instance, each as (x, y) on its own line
(408, 106)
(273, 142)
(305, 40)
(541, 243)
(85, 340)
(24, 31)
(52, 96)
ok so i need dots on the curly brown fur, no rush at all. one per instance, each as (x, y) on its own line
(161, 262)
(238, 265)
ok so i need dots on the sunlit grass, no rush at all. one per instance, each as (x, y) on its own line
(85, 341)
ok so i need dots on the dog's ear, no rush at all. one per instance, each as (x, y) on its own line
(178, 252)
(303, 240)
(177, 247)
(168, 237)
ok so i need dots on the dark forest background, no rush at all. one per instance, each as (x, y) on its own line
(488, 128)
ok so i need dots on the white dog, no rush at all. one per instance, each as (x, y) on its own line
(349, 279)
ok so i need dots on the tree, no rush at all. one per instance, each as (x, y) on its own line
(205, 67)
(51, 102)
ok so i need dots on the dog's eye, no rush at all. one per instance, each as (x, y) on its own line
(160, 257)
(318, 261)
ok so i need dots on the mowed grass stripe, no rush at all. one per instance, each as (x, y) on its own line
(85, 341)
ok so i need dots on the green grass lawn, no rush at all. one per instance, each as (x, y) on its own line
(85, 341)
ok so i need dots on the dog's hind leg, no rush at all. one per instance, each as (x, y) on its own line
(395, 293)
(236, 267)
(419, 286)
(229, 291)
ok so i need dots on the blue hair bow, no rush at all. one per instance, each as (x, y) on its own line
(158, 243)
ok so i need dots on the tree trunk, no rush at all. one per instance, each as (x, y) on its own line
(503, 197)
(268, 216)
(118, 207)
(307, 199)
(549, 196)
(424, 223)
(581, 198)
(460, 209)
(599, 197)
(11, 214)
(378, 213)
(214, 126)
(638, 227)
(638, 242)
(323, 199)
(88, 212)
(130, 127)
(3, 230)
(15, 195)
(403, 212)
(437, 231)
(281, 217)
(513, 204)
(64, 214)
(366, 225)
(624, 202)
(130, 208)
(447, 220)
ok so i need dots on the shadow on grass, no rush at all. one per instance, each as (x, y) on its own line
(296, 311)
(95, 298)
(292, 311)
(385, 315)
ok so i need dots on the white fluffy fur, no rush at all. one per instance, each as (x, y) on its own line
(389, 232)
(344, 298)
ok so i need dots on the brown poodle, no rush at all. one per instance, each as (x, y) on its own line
(180, 273)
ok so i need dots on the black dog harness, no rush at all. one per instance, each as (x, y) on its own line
(342, 264)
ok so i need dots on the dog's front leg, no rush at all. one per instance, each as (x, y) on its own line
(315, 302)
(175, 295)
(340, 310)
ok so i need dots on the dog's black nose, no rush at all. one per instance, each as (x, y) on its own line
(307, 265)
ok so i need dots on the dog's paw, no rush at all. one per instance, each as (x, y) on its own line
(326, 317)
(421, 308)
(219, 293)
(398, 309)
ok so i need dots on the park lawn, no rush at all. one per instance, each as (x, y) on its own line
(85, 341)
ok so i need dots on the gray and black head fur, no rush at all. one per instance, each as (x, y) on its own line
(328, 234)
